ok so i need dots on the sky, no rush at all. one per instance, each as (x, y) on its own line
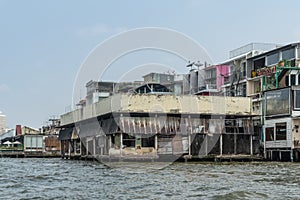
(44, 43)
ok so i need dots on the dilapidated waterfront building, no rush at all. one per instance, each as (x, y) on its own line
(156, 126)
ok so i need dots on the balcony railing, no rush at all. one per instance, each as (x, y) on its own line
(207, 87)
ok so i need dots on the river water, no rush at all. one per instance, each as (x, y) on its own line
(36, 178)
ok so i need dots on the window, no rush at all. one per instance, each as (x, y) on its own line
(277, 102)
(270, 134)
(148, 141)
(213, 73)
(297, 99)
(281, 131)
(260, 63)
(273, 59)
(243, 69)
(288, 54)
(128, 140)
(293, 79)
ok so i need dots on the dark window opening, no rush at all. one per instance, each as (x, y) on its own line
(293, 79)
(287, 81)
(148, 142)
(297, 99)
(281, 131)
(128, 140)
(270, 134)
(260, 63)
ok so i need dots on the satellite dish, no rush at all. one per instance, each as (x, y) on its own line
(198, 64)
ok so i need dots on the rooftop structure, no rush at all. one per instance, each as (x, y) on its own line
(256, 48)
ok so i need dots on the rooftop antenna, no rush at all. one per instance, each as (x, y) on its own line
(197, 64)
(190, 64)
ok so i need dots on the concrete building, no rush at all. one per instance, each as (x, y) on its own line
(273, 83)
(153, 126)
(96, 91)
(174, 82)
(236, 81)
(214, 79)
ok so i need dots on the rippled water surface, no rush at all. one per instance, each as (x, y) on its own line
(38, 178)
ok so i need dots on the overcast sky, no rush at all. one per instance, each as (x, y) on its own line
(43, 43)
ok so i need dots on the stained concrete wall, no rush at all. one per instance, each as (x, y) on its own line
(184, 104)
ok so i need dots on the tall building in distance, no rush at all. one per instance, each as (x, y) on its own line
(2, 122)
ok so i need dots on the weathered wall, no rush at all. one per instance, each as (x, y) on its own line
(189, 104)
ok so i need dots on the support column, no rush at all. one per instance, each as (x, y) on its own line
(221, 144)
(87, 147)
(271, 155)
(80, 147)
(75, 147)
(279, 155)
(69, 148)
(265, 150)
(206, 144)
(292, 156)
(189, 138)
(94, 146)
(121, 142)
(62, 148)
(251, 145)
(234, 140)
(189, 143)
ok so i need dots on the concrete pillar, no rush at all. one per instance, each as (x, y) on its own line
(69, 148)
(279, 155)
(251, 145)
(87, 147)
(292, 156)
(206, 145)
(121, 143)
(75, 147)
(189, 138)
(265, 150)
(234, 140)
(94, 146)
(221, 144)
(62, 148)
(80, 148)
(189, 143)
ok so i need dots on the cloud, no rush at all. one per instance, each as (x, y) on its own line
(4, 88)
(99, 29)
